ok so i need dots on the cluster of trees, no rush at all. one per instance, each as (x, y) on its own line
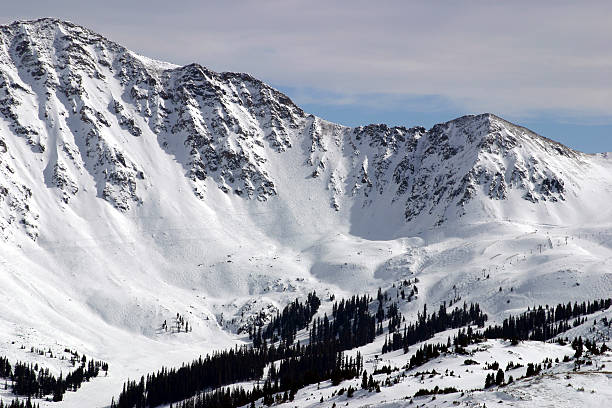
(5, 367)
(427, 326)
(437, 390)
(218, 369)
(406, 285)
(498, 378)
(353, 323)
(494, 379)
(464, 338)
(533, 369)
(368, 383)
(512, 366)
(352, 326)
(317, 362)
(298, 366)
(27, 381)
(394, 316)
(294, 317)
(578, 345)
(223, 397)
(543, 324)
(429, 351)
(426, 352)
(386, 369)
(19, 404)
(30, 380)
(180, 324)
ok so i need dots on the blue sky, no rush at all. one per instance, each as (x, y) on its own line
(546, 65)
(588, 134)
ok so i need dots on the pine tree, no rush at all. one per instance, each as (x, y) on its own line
(489, 381)
(364, 380)
(499, 378)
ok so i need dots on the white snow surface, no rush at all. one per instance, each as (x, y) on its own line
(133, 189)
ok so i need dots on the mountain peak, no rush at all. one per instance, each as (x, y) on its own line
(491, 133)
(48, 24)
(47, 27)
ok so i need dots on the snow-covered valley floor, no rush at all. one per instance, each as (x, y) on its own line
(501, 268)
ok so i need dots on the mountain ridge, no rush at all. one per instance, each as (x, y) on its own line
(224, 127)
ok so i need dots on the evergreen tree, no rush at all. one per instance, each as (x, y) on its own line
(499, 378)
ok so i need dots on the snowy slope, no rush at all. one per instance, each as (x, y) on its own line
(133, 189)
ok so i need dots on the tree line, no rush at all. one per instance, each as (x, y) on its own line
(426, 326)
(30, 380)
(16, 403)
(294, 317)
(544, 323)
(317, 364)
(352, 325)
(354, 322)
(298, 366)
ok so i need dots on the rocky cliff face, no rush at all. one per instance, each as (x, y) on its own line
(87, 110)
(435, 173)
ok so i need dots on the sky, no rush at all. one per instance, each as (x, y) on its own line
(546, 65)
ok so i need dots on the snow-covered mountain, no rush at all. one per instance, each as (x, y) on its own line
(133, 189)
(92, 111)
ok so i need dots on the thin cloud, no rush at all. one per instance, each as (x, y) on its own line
(515, 58)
